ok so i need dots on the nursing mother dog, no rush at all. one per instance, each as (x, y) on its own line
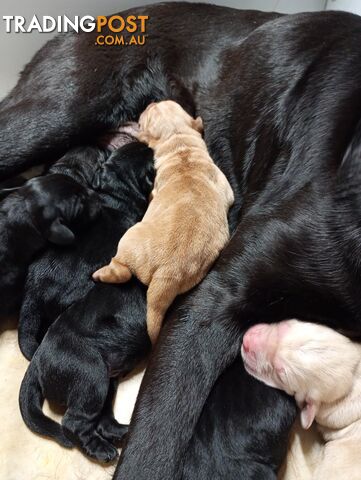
(280, 98)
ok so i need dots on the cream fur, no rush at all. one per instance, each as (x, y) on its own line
(304, 453)
(322, 369)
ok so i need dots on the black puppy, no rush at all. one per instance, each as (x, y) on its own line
(58, 279)
(46, 209)
(100, 337)
(97, 337)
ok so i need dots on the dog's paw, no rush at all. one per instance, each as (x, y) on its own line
(115, 272)
(101, 450)
(98, 275)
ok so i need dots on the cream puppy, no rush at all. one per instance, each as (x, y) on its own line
(322, 370)
(185, 226)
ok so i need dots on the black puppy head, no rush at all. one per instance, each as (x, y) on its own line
(82, 164)
(130, 166)
(60, 207)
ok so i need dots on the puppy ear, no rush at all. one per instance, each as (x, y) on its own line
(197, 124)
(60, 234)
(308, 413)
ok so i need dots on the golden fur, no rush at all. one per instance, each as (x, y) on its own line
(185, 226)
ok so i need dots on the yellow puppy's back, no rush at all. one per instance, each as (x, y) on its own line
(184, 228)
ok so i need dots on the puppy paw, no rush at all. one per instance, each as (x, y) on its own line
(100, 275)
(100, 449)
(113, 273)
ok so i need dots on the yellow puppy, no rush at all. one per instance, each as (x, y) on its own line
(185, 226)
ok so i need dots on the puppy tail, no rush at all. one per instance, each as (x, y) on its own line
(115, 272)
(160, 295)
(31, 402)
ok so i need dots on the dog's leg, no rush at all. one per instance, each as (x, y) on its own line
(108, 427)
(193, 348)
(115, 272)
(249, 283)
(37, 130)
(30, 134)
(30, 326)
(160, 295)
(86, 404)
(58, 102)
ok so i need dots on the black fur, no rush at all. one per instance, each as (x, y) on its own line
(280, 98)
(242, 432)
(52, 287)
(292, 119)
(59, 278)
(52, 209)
(96, 338)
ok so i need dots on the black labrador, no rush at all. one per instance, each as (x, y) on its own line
(47, 209)
(293, 120)
(57, 278)
(280, 97)
(242, 432)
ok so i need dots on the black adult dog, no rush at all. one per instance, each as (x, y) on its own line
(57, 279)
(47, 209)
(280, 98)
(242, 432)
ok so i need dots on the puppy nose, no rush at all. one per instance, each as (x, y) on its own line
(252, 340)
(246, 343)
